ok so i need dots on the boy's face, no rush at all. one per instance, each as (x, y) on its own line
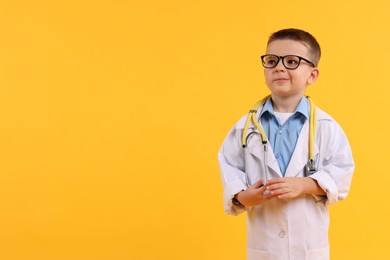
(285, 83)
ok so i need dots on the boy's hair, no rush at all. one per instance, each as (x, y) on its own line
(300, 36)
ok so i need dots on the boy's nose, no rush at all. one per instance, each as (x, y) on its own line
(279, 65)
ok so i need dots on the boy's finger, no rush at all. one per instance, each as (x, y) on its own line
(275, 180)
(275, 186)
(263, 191)
(259, 184)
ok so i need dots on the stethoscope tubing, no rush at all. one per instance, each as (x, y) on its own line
(264, 140)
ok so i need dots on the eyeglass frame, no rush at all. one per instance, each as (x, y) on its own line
(282, 58)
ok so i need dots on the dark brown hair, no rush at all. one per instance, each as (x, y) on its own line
(300, 36)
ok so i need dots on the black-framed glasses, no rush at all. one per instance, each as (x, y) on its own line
(290, 62)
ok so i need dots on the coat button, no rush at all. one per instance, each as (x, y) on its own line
(282, 234)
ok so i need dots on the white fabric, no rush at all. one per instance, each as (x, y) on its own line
(293, 229)
(283, 117)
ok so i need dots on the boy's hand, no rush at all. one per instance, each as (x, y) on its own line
(254, 195)
(291, 187)
(285, 188)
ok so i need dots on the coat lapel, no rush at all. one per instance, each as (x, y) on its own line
(256, 148)
(300, 156)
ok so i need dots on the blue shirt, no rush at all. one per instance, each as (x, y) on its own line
(283, 138)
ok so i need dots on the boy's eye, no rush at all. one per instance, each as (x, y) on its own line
(291, 60)
(271, 61)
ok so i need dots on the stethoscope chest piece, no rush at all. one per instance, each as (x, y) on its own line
(310, 168)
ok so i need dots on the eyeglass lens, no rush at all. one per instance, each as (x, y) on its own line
(289, 61)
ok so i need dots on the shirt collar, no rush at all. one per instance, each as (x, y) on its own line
(302, 108)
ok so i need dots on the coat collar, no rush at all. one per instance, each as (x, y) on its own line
(321, 115)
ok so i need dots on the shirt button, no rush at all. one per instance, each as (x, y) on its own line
(282, 234)
(280, 132)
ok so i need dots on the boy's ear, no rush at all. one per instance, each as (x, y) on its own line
(313, 76)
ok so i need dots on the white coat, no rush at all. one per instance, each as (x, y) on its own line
(297, 228)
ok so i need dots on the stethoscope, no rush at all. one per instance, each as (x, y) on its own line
(311, 168)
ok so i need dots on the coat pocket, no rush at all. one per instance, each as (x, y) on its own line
(255, 254)
(318, 254)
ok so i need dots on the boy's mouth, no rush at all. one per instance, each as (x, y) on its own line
(281, 79)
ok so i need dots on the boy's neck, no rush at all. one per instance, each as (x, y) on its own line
(285, 105)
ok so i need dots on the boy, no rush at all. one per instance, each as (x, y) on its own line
(286, 204)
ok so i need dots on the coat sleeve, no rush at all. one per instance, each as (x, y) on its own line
(232, 168)
(336, 166)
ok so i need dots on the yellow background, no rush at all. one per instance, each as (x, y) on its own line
(112, 113)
